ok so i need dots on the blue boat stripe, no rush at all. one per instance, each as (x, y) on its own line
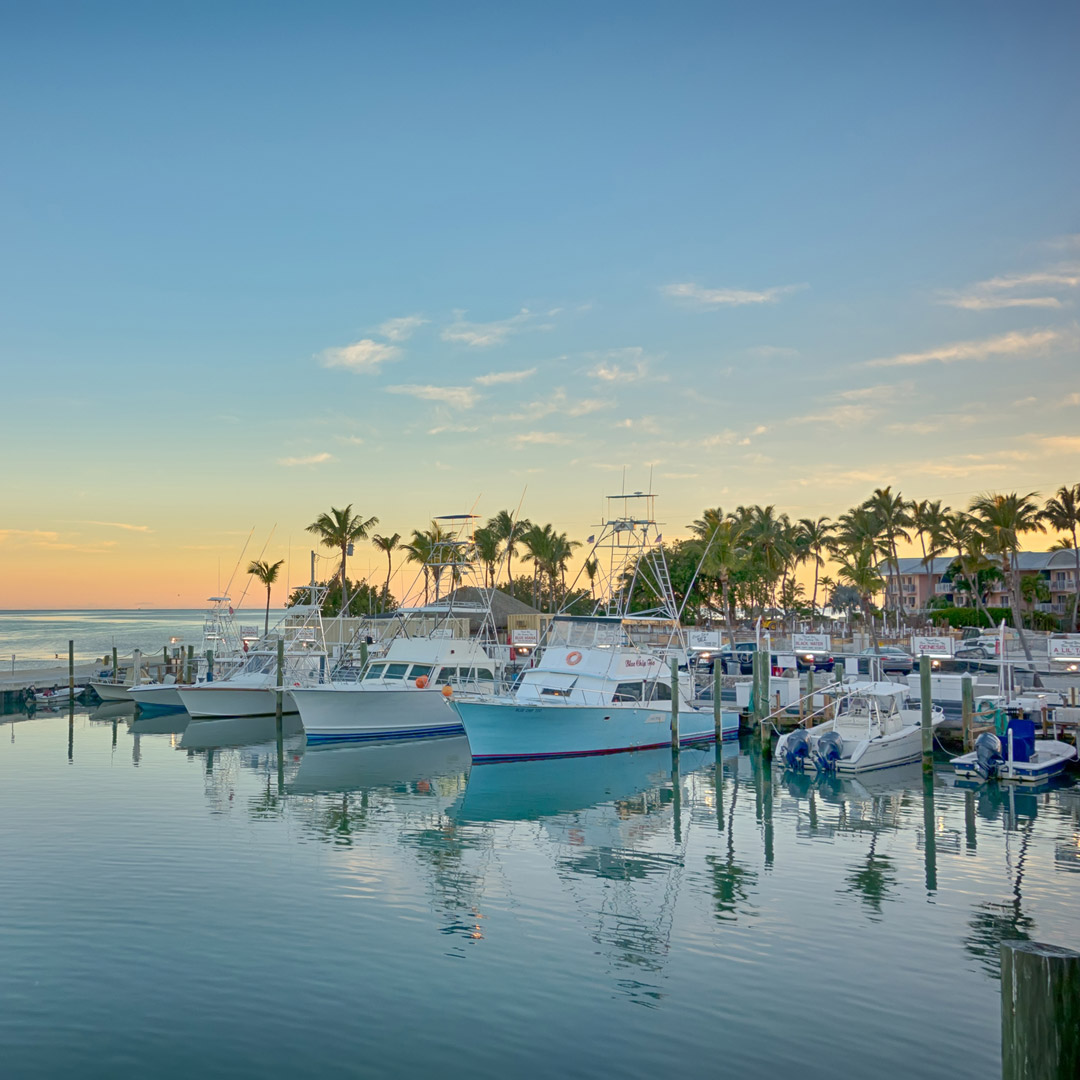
(384, 736)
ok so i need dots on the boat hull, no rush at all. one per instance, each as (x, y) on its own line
(507, 731)
(153, 698)
(351, 714)
(111, 692)
(208, 702)
(1051, 758)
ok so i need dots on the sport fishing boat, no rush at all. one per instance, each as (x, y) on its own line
(251, 689)
(593, 692)
(871, 730)
(1019, 757)
(222, 637)
(117, 687)
(424, 653)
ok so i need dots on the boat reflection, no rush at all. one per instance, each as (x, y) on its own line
(235, 731)
(112, 710)
(159, 723)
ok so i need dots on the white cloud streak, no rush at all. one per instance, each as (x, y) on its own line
(483, 335)
(403, 328)
(456, 397)
(364, 357)
(311, 459)
(1016, 343)
(698, 296)
(494, 378)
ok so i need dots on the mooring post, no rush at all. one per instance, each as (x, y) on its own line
(115, 669)
(927, 715)
(717, 709)
(280, 681)
(209, 665)
(675, 704)
(190, 675)
(71, 672)
(967, 710)
(929, 833)
(809, 694)
(1040, 1011)
(676, 799)
(363, 655)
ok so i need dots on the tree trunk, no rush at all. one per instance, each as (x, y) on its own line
(344, 587)
(386, 591)
(1076, 584)
(266, 628)
(1018, 619)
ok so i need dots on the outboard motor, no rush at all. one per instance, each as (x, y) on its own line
(988, 757)
(830, 748)
(797, 749)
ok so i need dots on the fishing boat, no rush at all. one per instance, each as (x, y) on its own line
(871, 730)
(251, 689)
(117, 686)
(603, 682)
(431, 651)
(1018, 757)
(222, 638)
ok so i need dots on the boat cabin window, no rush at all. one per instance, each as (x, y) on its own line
(375, 671)
(483, 673)
(418, 671)
(396, 671)
(660, 692)
(552, 691)
(627, 691)
(446, 675)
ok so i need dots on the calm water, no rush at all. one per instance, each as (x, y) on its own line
(172, 905)
(37, 637)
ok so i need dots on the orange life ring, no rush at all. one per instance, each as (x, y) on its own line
(573, 658)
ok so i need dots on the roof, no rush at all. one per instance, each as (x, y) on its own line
(474, 602)
(1026, 560)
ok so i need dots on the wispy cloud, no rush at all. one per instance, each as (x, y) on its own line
(483, 335)
(403, 328)
(646, 424)
(1016, 343)
(774, 352)
(350, 440)
(119, 525)
(456, 397)
(558, 402)
(1061, 444)
(34, 536)
(698, 296)
(365, 357)
(621, 365)
(494, 378)
(457, 428)
(541, 438)
(1000, 292)
(310, 459)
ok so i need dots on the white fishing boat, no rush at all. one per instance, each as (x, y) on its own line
(603, 682)
(871, 730)
(431, 651)
(251, 689)
(117, 687)
(400, 695)
(1018, 757)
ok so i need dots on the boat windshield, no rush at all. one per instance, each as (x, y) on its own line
(585, 633)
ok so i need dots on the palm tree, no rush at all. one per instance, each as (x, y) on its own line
(539, 545)
(859, 569)
(928, 519)
(267, 573)
(341, 529)
(386, 544)
(1003, 519)
(718, 539)
(562, 547)
(1062, 514)
(508, 530)
(814, 540)
(420, 551)
(433, 550)
(592, 568)
(892, 512)
(486, 545)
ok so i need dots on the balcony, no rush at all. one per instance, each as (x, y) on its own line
(943, 588)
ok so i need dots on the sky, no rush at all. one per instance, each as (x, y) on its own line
(262, 259)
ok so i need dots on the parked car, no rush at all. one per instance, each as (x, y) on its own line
(742, 663)
(893, 659)
(804, 661)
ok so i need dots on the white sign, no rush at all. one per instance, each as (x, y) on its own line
(812, 643)
(924, 645)
(249, 632)
(525, 637)
(785, 661)
(704, 639)
(1065, 648)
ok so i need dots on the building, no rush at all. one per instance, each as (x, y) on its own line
(920, 581)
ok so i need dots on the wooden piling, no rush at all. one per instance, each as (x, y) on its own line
(280, 681)
(1040, 1011)
(363, 655)
(675, 704)
(927, 715)
(717, 709)
(71, 672)
(967, 711)
(209, 665)
(189, 677)
(115, 668)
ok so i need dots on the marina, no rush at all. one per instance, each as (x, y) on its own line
(650, 899)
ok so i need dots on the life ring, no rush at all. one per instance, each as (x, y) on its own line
(573, 658)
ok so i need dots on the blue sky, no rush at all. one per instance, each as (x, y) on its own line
(263, 258)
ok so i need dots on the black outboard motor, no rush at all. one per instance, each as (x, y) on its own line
(988, 757)
(830, 748)
(797, 749)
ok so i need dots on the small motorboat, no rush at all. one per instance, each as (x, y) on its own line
(1019, 757)
(870, 731)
